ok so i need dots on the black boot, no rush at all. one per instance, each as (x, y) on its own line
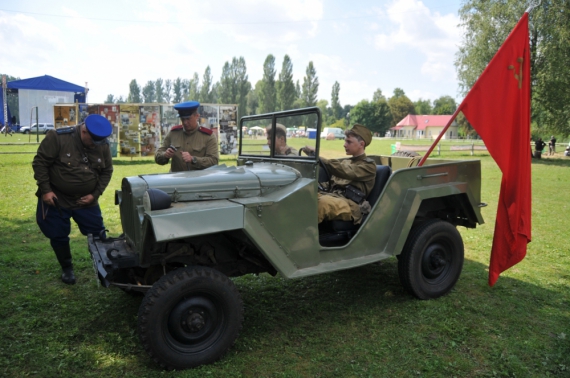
(63, 254)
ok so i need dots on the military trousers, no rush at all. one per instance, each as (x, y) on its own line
(336, 207)
(56, 226)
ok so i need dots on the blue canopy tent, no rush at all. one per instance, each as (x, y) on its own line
(46, 83)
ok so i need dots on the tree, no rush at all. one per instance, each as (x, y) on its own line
(194, 87)
(167, 90)
(423, 107)
(110, 99)
(268, 95)
(177, 91)
(226, 94)
(286, 93)
(335, 103)
(310, 86)
(378, 95)
(444, 105)
(214, 93)
(120, 100)
(185, 89)
(487, 24)
(205, 90)
(242, 85)
(253, 98)
(375, 115)
(134, 92)
(323, 106)
(159, 90)
(399, 92)
(148, 92)
(400, 106)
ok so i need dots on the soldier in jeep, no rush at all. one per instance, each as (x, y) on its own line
(281, 147)
(351, 180)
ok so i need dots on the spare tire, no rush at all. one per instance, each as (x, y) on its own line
(406, 153)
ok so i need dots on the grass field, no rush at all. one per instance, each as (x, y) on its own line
(355, 323)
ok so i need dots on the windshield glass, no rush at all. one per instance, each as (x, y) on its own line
(280, 136)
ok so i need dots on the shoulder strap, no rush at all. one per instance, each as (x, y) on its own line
(205, 130)
(177, 127)
(65, 130)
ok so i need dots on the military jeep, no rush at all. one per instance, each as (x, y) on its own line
(187, 233)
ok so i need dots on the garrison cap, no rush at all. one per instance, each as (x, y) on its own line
(186, 109)
(281, 130)
(99, 128)
(362, 132)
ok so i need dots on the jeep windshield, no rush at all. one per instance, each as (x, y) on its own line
(290, 134)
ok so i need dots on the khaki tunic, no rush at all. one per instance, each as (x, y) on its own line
(63, 165)
(290, 151)
(359, 172)
(197, 143)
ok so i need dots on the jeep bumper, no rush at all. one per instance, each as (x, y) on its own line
(110, 257)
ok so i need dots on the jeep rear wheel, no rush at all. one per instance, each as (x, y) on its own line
(190, 317)
(432, 259)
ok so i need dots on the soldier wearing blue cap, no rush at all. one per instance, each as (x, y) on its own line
(72, 168)
(190, 146)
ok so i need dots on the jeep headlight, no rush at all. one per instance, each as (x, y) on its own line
(156, 199)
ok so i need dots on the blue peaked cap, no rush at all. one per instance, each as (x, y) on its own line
(186, 109)
(99, 128)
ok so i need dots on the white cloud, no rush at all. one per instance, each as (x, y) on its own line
(433, 35)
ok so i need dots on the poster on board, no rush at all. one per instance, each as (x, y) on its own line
(129, 130)
(111, 112)
(149, 129)
(64, 115)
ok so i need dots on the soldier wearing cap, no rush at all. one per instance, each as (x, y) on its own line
(358, 173)
(72, 168)
(190, 146)
(281, 147)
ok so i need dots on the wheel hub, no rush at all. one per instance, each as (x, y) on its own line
(434, 262)
(195, 321)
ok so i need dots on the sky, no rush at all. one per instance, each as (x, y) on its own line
(364, 45)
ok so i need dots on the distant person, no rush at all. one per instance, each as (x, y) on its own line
(552, 145)
(538, 147)
(195, 147)
(344, 196)
(281, 148)
(72, 168)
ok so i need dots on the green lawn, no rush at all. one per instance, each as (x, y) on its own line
(355, 323)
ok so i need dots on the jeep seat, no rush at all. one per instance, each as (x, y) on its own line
(339, 232)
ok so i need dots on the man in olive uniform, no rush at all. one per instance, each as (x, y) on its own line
(194, 146)
(358, 173)
(72, 168)
(281, 147)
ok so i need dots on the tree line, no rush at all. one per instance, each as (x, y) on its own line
(278, 91)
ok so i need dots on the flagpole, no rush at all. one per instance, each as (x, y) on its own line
(441, 134)
(532, 6)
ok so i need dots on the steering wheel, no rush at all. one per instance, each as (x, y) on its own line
(325, 169)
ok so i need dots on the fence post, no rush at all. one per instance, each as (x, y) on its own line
(472, 149)
(438, 149)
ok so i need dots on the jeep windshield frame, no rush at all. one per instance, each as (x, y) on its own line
(259, 126)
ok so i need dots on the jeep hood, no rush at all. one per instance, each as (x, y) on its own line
(221, 182)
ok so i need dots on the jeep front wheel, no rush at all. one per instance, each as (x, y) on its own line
(190, 317)
(432, 259)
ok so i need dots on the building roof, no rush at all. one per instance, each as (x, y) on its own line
(420, 122)
(46, 82)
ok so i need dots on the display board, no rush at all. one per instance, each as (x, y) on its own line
(65, 115)
(149, 129)
(129, 141)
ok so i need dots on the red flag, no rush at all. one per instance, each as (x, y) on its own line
(498, 107)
